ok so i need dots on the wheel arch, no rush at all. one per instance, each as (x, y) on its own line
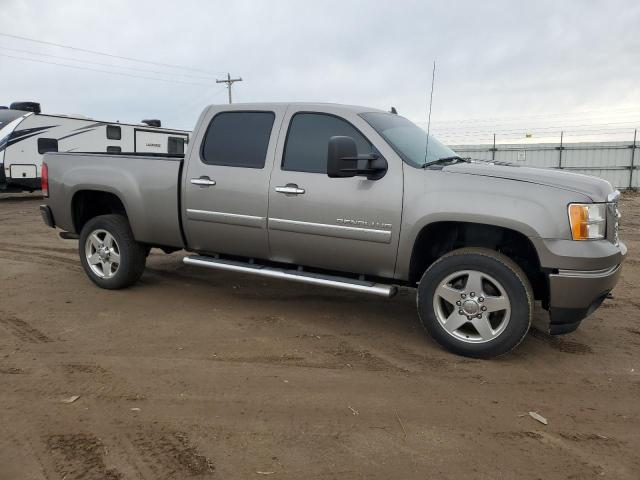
(441, 237)
(90, 203)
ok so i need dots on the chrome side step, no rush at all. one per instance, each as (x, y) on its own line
(344, 283)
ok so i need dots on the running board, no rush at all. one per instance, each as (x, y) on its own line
(343, 283)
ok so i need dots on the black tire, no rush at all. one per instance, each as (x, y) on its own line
(132, 254)
(511, 278)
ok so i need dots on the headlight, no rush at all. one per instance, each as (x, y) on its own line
(588, 221)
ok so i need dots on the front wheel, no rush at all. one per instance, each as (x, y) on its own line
(475, 302)
(110, 256)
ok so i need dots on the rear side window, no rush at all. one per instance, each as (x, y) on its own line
(308, 141)
(238, 139)
(114, 149)
(114, 132)
(47, 145)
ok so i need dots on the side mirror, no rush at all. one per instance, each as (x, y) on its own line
(343, 160)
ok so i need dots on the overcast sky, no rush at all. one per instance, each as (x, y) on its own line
(501, 65)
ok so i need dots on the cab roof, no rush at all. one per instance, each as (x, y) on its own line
(302, 106)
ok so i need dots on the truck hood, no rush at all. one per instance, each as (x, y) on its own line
(595, 188)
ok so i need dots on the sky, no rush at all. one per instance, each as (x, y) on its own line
(522, 70)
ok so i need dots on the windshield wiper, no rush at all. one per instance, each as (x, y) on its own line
(445, 160)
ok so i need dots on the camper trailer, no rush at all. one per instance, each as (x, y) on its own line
(26, 134)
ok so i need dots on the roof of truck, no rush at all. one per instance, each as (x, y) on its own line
(307, 105)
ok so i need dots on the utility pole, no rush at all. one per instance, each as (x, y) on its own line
(229, 81)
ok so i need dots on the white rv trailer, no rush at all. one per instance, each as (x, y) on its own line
(26, 134)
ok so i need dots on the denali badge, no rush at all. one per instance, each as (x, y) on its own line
(364, 224)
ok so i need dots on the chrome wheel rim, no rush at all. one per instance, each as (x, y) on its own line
(472, 306)
(102, 253)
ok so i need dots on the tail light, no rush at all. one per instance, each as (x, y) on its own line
(45, 180)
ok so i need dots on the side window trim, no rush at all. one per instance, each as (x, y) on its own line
(290, 123)
(209, 125)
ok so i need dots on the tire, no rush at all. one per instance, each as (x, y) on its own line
(109, 254)
(480, 324)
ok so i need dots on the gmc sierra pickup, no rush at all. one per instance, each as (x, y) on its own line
(352, 198)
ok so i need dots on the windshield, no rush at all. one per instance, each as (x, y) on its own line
(407, 139)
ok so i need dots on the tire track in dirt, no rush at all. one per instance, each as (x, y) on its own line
(30, 255)
(560, 344)
(170, 454)
(579, 447)
(79, 456)
(95, 381)
(336, 353)
(22, 330)
(47, 248)
(343, 354)
(11, 371)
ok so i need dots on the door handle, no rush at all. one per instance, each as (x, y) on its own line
(203, 181)
(290, 189)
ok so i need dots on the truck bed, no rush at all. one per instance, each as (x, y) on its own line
(147, 185)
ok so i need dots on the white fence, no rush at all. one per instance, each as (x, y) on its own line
(617, 162)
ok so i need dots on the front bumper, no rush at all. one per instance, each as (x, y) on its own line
(576, 294)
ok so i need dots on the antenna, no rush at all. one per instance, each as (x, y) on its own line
(433, 78)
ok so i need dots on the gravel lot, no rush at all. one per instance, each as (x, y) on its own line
(202, 374)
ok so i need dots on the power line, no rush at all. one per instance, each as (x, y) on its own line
(524, 123)
(104, 71)
(200, 101)
(104, 54)
(607, 126)
(144, 70)
(631, 110)
(229, 81)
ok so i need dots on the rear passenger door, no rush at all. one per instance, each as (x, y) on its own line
(226, 182)
(346, 224)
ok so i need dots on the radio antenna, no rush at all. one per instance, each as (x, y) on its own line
(433, 78)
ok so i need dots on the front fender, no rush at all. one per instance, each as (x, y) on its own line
(535, 211)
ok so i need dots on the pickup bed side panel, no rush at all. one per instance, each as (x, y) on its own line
(146, 186)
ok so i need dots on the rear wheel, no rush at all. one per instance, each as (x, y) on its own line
(475, 302)
(110, 256)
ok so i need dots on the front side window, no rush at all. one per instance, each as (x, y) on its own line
(47, 145)
(114, 132)
(308, 141)
(407, 139)
(238, 139)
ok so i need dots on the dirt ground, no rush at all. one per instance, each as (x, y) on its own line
(202, 374)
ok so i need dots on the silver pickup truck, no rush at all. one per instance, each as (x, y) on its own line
(353, 198)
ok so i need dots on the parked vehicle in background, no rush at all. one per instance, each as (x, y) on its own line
(26, 134)
(353, 198)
